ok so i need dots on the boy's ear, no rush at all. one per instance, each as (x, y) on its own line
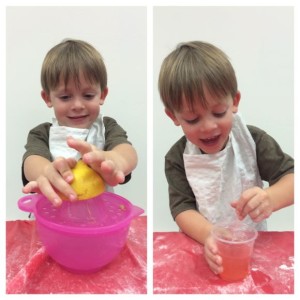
(103, 95)
(46, 98)
(172, 116)
(236, 102)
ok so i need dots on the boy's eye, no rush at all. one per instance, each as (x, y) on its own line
(89, 96)
(64, 97)
(193, 121)
(220, 115)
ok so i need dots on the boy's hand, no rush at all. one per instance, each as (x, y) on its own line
(212, 256)
(56, 177)
(103, 162)
(254, 202)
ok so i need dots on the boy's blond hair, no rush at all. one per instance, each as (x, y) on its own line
(190, 69)
(66, 60)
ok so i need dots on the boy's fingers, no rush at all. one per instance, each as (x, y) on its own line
(120, 177)
(234, 204)
(216, 268)
(79, 145)
(94, 158)
(241, 204)
(71, 162)
(214, 261)
(31, 187)
(59, 178)
(63, 168)
(47, 190)
(254, 206)
(110, 174)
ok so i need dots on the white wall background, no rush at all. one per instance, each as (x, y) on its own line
(119, 33)
(259, 42)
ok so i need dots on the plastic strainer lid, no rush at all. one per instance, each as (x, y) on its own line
(103, 213)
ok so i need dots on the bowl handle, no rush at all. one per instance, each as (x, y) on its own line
(28, 202)
(136, 211)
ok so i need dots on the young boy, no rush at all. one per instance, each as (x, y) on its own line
(74, 84)
(215, 170)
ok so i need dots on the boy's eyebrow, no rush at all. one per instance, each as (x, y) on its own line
(189, 110)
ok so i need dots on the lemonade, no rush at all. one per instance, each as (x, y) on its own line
(235, 243)
(236, 267)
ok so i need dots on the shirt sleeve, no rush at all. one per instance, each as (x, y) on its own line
(272, 162)
(37, 144)
(181, 196)
(114, 136)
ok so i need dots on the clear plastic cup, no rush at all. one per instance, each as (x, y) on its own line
(235, 243)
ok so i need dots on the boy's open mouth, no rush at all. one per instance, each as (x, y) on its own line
(210, 141)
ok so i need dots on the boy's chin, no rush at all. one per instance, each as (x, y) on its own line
(211, 149)
(205, 151)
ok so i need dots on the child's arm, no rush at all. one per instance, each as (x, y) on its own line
(193, 224)
(260, 203)
(46, 177)
(282, 192)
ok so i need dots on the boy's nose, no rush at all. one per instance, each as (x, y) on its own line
(208, 124)
(77, 103)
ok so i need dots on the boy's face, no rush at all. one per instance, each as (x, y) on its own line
(207, 128)
(75, 106)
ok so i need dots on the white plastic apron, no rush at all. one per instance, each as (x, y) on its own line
(218, 179)
(58, 135)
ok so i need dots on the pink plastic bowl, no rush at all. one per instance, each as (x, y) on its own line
(82, 236)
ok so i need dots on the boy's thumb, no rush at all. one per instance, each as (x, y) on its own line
(234, 204)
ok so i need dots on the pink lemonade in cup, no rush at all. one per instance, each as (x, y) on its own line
(235, 245)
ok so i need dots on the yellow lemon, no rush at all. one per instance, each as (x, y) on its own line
(86, 183)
